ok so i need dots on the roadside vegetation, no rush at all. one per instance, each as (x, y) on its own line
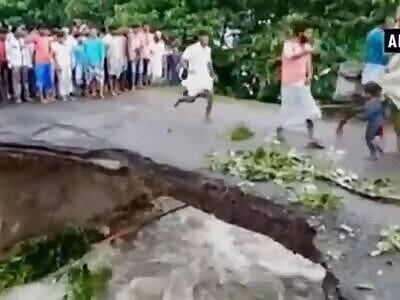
(56, 256)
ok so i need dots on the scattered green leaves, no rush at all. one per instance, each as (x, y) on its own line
(241, 133)
(283, 169)
(374, 188)
(389, 242)
(262, 165)
(37, 258)
(289, 169)
(318, 201)
(84, 284)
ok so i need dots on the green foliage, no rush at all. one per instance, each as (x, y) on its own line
(389, 242)
(250, 69)
(84, 284)
(241, 133)
(37, 258)
(318, 201)
(375, 188)
(298, 174)
(288, 170)
(263, 165)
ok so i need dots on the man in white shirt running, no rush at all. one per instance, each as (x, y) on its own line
(199, 82)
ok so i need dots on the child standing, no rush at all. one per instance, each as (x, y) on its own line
(372, 110)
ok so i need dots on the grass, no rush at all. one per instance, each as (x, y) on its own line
(37, 258)
(241, 133)
(319, 201)
(84, 284)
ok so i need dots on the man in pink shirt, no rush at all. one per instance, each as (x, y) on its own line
(297, 103)
(42, 61)
(134, 56)
(146, 38)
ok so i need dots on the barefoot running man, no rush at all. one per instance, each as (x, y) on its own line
(199, 82)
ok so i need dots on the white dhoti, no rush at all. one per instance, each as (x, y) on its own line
(390, 81)
(297, 106)
(116, 67)
(372, 73)
(197, 83)
(156, 63)
(65, 86)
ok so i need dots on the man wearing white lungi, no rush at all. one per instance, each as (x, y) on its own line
(297, 103)
(116, 60)
(158, 52)
(71, 42)
(63, 64)
(199, 82)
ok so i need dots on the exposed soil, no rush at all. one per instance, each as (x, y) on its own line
(62, 185)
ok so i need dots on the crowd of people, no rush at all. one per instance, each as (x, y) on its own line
(78, 61)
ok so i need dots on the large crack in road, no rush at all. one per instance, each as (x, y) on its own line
(45, 187)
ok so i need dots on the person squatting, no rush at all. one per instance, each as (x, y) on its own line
(43, 64)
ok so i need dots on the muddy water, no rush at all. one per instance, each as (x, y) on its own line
(190, 255)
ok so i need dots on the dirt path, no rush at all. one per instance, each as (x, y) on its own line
(146, 122)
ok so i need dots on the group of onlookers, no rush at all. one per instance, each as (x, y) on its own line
(76, 61)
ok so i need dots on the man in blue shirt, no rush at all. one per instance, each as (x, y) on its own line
(95, 53)
(375, 58)
(80, 64)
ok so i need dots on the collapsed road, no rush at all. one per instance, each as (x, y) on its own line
(43, 188)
